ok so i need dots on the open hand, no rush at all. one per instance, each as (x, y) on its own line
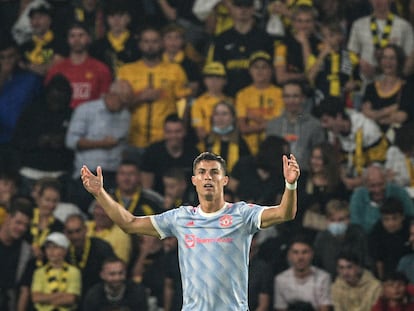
(92, 183)
(291, 169)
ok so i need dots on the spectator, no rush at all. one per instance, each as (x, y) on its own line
(388, 238)
(258, 178)
(366, 200)
(400, 157)
(172, 151)
(234, 47)
(322, 184)
(406, 263)
(334, 71)
(295, 125)
(9, 186)
(40, 133)
(339, 236)
(44, 222)
(18, 88)
(260, 280)
(97, 134)
(88, 12)
(130, 193)
(387, 100)
(302, 281)
(63, 209)
(358, 138)
(101, 226)
(293, 52)
(45, 48)
(16, 257)
(177, 189)
(119, 45)
(394, 294)
(56, 285)
(173, 37)
(173, 292)
(155, 90)
(371, 33)
(85, 253)
(225, 138)
(115, 292)
(214, 77)
(259, 102)
(355, 287)
(89, 78)
(149, 269)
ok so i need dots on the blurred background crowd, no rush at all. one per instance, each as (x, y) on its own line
(140, 88)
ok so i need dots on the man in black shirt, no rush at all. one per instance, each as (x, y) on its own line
(16, 257)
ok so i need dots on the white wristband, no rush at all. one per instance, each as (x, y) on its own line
(291, 186)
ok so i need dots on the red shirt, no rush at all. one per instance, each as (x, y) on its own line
(89, 80)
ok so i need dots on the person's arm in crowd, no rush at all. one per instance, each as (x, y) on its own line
(316, 67)
(122, 217)
(169, 12)
(24, 297)
(287, 208)
(168, 293)
(147, 179)
(263, 302)
(54, 299)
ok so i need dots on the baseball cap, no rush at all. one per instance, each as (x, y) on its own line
(246, 3)
(260, 55)
(59, 239)
(42, 8)
(214, 69)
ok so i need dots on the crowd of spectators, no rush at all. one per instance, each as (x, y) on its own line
(140, 88)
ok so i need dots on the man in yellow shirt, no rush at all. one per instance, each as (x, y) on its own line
(156, 86)
(259, 102)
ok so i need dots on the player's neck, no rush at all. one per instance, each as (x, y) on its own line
(211, 206)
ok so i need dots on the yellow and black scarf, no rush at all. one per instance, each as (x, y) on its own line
(39, 56)
(57, 279)
(85, 255)
(384, 40)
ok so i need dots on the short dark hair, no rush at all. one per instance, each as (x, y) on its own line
(349, 255)
(112, 259)
(114, 7)
(173, 117)
(23, 205)
(301, 238)
(49, 183)
(61, 83)
(79, 25)
(396, 276)
(391, 206)
(209, 156)
(331, 106)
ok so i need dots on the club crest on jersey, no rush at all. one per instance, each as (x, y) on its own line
(226, 221)
(190, 240)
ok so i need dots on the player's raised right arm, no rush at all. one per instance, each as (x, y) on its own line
(122, 217)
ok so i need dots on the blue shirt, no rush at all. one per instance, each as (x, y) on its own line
(213, 253)
(17, 92)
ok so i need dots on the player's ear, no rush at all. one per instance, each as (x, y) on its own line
(193, 180)
(226, 180)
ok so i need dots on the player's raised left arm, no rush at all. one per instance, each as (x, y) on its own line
(286, 210)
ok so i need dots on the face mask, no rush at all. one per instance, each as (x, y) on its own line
(337, 228)
(223, 131)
